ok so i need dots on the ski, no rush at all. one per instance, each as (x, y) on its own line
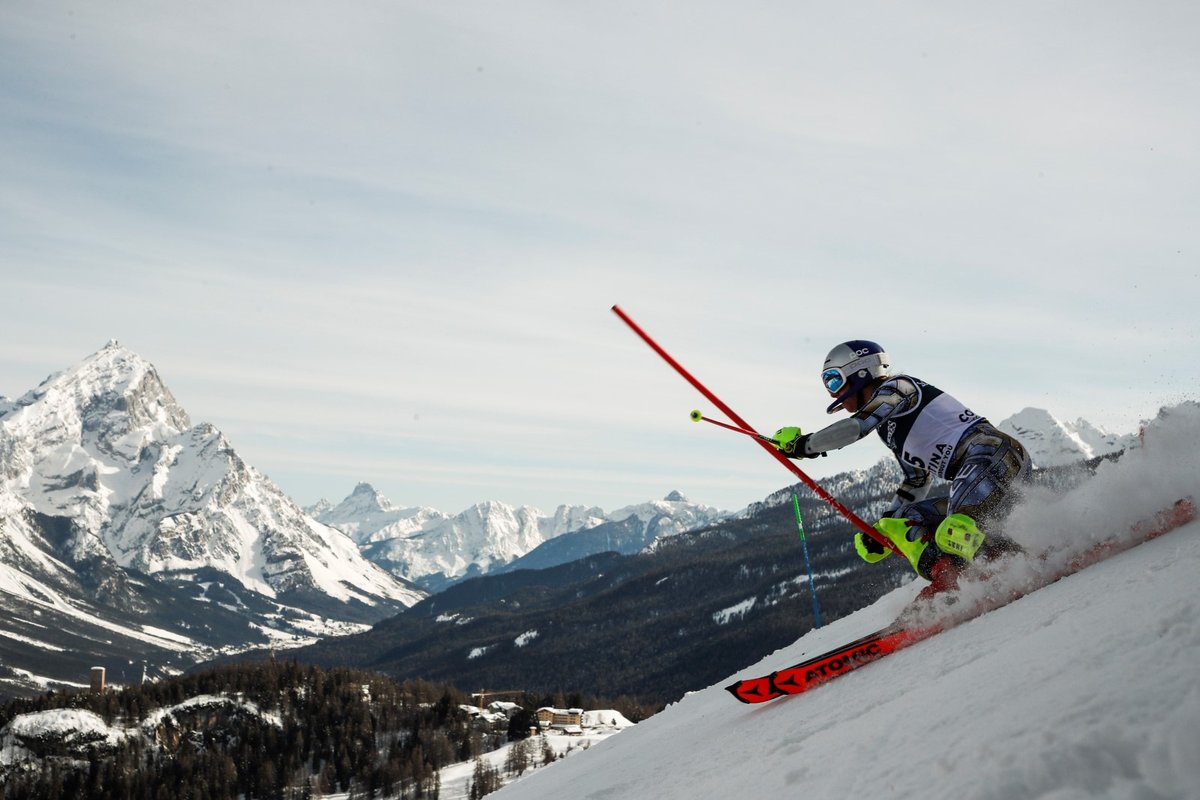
(819, 669)
(822, 668)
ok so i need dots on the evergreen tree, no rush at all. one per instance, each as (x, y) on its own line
(484, 781)
(517, 760)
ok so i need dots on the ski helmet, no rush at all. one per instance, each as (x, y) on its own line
(850, 366)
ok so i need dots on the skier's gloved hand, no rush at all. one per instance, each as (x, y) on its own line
(786, 438)
(907, 536)
(868, 549)
(791, 441)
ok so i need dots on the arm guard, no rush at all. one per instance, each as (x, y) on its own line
(896, 395)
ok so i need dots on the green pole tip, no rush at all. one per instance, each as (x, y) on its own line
(697, 416)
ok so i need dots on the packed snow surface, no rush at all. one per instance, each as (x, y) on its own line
(1087, 688)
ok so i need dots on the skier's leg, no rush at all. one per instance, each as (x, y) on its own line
(987, 486)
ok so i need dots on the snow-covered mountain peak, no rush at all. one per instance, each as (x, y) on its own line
(114, 399)
(318, 508)
(661, 519)
(1052, 442)
(422, 544)
(365, 515)
(106, 446)
(113, 370)
(568, 519)
(674, 505)
(363, 500)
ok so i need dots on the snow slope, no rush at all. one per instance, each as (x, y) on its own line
(1087, 688)
(456, 778)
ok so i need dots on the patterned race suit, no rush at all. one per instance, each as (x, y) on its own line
(932, 434)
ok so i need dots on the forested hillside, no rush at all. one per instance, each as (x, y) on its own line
(271, 729)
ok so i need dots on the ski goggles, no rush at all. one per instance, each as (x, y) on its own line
(833, 379)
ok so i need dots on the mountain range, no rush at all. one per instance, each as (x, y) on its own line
(130, 534)
(435, 550)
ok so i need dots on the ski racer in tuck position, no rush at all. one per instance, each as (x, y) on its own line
(932, 435)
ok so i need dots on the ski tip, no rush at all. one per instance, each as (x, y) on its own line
(735, 690)
(754, 690)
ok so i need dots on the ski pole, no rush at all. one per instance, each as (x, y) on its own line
(837, 505)
(698, 417)
(812, 587)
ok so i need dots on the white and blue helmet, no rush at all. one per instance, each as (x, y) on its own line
(850, 367)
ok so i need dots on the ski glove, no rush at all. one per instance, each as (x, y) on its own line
(868, 549)
(908, 537)
(791, 441)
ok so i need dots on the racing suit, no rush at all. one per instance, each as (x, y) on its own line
(933, 435)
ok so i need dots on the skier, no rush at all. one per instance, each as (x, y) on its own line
(932, 435)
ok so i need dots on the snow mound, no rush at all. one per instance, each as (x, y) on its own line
(606, 718)
(60, 732)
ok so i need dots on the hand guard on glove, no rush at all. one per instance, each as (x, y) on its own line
(792, 443)
(869, 550)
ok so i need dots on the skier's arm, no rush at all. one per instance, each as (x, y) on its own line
(916, 486)
(894, 396)
(834, 437)
(810, 445)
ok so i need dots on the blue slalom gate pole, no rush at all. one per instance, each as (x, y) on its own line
(807, 563)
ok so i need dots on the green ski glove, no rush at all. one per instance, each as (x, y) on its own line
(791, 441)
(786, 438)
(869, 550)
(896, 529)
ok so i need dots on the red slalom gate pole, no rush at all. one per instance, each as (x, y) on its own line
(762, 441)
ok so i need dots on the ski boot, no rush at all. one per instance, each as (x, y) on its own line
(912, 539)
(957, 540)
(958, 535)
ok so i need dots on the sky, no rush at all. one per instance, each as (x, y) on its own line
(380, 241)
